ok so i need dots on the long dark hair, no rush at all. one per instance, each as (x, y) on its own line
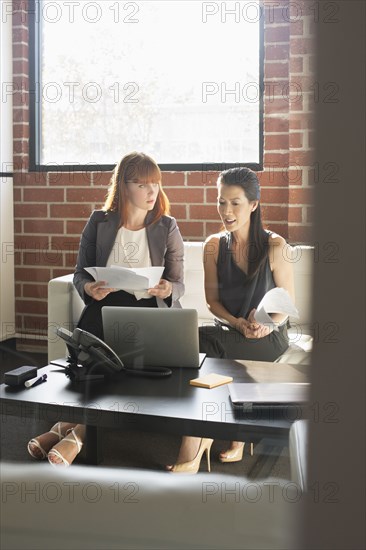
(135, 167)
(258, 237)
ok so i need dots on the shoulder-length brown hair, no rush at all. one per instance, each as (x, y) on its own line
(135, 167)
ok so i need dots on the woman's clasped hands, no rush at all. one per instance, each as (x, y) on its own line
(250, 328)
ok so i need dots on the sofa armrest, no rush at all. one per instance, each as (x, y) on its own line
(64, 308)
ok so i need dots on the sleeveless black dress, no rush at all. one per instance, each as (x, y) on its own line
(239, 294)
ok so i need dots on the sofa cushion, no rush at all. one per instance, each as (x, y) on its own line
(99, 508)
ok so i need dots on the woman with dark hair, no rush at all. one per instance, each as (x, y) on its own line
(241, 264)
(132, 230)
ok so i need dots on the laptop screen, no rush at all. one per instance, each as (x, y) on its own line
(144, 337)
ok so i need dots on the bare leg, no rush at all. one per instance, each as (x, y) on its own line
(68, 447)
(188, 449)
(39, 446)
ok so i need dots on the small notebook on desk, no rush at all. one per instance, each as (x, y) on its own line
(269, 395)
(211, 380)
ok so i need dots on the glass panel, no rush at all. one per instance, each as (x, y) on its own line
(177, 79)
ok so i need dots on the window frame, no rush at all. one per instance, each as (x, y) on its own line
(35, 114)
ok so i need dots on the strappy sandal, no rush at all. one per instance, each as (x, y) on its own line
(73, 438)
(56, 430)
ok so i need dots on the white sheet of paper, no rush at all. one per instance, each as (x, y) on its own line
(127, 278)
(276, 300)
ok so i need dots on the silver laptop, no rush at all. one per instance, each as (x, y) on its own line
(272, 394)
(153, 337)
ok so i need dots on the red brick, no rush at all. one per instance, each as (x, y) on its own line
(276, 34)
(20, 34)
(20, 51)
(17, 194)
(212, 227)
(21, 66)
(32, 323)
(274, 177)
(101, 178)
(276, 106)
(276, 70)
(295, 175)
(207, 176)
(276, 14)
(295, 214)
(296, 64)
(191, 229)
(89, 194)
(18, 226)
(70, 260)
(178, 211)
(18, 258)
(273, 196)
(300, 46)
(276, 124)
(43, 226)
(74, 227)
(68, 211)
(172, 178)
(296, 28)
(43, 257)
(275, 53)
(61, 272)
(20, 99)
(35, 194)
(20, 115)
(30, 210)
(20, 146)
(301, 121)
(302, 158)
(211, 195)
(300, 234)
(277, 160)
(274, 213)
(32, 274)
(276, 142)
(31, 306)
(69, 178)
(31, 242)
(203, 212)
(18, 290)
(30, 179)
(35, 291)
(185, 195)
(279, 228)
(296, 140)
(21, 131)
(301, 196)
(21, 160)
(65, 243)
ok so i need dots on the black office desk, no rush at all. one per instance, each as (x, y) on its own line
(168, 405)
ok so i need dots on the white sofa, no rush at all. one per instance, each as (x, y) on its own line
(112, 508)
(65, 304)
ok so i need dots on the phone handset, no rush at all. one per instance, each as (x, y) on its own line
(96, 358)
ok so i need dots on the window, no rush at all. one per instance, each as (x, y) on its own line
(180, 80)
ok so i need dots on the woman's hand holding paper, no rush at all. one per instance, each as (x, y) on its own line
(162, 290)
(97, 290)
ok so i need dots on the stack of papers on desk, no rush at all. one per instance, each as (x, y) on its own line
(127, 278)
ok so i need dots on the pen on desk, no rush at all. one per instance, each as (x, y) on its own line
(35, 381)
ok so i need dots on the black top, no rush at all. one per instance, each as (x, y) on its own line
(238, 293)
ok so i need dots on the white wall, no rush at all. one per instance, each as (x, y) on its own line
(7, 300)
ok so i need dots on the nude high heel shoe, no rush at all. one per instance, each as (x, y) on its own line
(193, 466)
(56, 452)
(34, 444)
(236, 454)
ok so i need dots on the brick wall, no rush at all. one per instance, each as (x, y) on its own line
(50, 209)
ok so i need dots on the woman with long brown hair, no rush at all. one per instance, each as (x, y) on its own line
(132, 230)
